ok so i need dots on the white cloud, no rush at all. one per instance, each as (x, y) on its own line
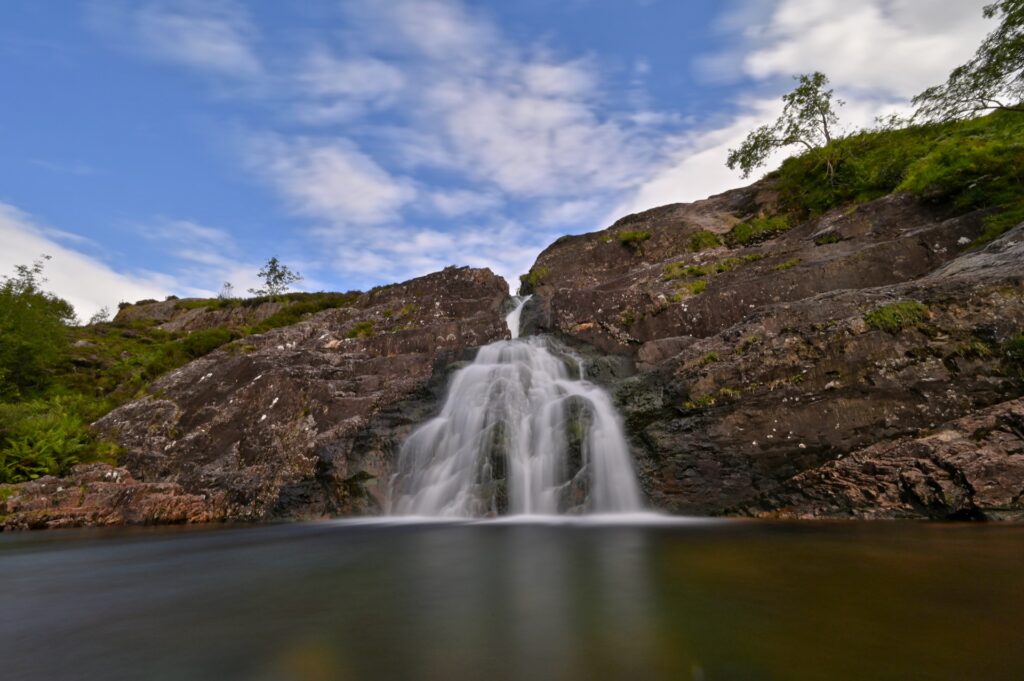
(214, 36)
(87, 283)
(330, 179)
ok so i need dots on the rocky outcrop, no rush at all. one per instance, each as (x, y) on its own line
(773, 365)
(95, 495)
(972, 468)
(265, 427)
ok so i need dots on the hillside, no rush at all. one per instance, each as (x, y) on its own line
(834, 340)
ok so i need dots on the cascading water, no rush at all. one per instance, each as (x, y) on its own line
(517, 435)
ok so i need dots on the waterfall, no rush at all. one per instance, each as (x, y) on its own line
(517, 435)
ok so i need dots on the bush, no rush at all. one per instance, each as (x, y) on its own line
(634, 238)
(703, 240)
(33, 332)
(895, 317)
(204, 341)
(533, 278)
(47, 437)
(757, 230)
(361, 330)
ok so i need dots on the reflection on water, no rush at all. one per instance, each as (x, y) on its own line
(515, 601)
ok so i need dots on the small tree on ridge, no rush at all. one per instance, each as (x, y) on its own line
(276, 279)
(808, 119)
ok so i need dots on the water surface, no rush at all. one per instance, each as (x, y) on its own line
(514, 600)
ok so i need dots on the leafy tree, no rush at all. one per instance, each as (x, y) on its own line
(276, 279)
(992, 79)
(100, 316)
(808, 119)
(33, 330)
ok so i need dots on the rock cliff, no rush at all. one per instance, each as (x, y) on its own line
(762, 366)
(265, 427)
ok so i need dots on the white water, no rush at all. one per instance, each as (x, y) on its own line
(517, 435)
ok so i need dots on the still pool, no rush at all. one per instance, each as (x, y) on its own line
(641, 599)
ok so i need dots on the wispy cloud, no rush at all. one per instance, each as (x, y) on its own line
(212, 36)
(86, 282)
(65, 167)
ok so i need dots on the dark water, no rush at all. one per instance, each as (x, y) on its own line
(709, 601)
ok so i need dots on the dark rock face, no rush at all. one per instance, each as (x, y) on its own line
(772, 371)
(266, 427)
(972, 468)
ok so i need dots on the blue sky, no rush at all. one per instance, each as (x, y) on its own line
(157, 146)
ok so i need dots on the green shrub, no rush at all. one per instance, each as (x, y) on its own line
(709, 358)
(46, 437)
(699, 402)
(634, 238)
(829, 238)
(204, 341)
(757, 230)
(895, 317)
(697, 286)
(533, 278)
(703, 240)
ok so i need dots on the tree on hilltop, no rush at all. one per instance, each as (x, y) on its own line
(808, 119)
(276, 279)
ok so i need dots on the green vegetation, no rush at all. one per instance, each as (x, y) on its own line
(634, 238)
(759, 229)
(697, 286)
(361, 330)
(829, 238)
(699, 402)
(534, 277)
(789, 264)
(709, 358)
(748, 342)
(1014, 350)
(962, 165)
(895, 317)
(678, 270)
(703, 240)
(56, 378)
(33, 332)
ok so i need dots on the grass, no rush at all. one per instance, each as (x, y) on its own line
(788, 265)
(699, 402)
(533, 278)
(960, 166)
(703, 240)
(361, 330)
(678, 270)
(895, 317)
(829, 238)
(634, 238)
(709, 358)
(757, 230)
